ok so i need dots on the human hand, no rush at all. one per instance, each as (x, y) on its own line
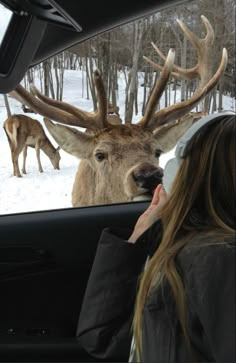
(151, 214)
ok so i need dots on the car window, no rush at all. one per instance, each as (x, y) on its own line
(114, 167)
(6, 15)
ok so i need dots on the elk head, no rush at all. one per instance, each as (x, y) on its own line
(120, 162)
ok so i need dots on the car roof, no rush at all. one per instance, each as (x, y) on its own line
(40, 29)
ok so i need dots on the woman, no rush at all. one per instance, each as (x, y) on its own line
(171, 281)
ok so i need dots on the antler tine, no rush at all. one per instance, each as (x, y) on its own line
(196, 41)
(210, 35)
(94, 121)
(15, 94)
(101, 115)
(178, 110)
(202, 46)
(178, 72)
(51, 111)
(202, 70)
(158, 89)
(62, 105)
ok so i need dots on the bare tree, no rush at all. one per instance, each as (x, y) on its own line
(121, 162)
(7, 105)
(132, 82)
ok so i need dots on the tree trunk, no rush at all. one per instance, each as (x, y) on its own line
(114, 85)
(7, 105)
(183, 65)
(57, 78)
(220, 105)
(46, 78)
(138, 33)
(136, 98)
(144, 91)
(213, 102)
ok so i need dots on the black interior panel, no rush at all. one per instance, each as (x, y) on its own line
(45, 260)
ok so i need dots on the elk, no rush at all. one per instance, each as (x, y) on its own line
(113, 114)
(26, 109)
(120, 162)
(23, 131)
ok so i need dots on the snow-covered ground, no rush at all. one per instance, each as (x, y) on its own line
(51, 189)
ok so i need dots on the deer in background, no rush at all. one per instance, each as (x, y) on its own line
(113, 114)
(23, 131)
(120, 162)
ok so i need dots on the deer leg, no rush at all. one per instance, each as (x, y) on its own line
(15, 156)
(37, 149)
(24, 159)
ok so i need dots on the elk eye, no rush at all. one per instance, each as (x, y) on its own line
(100, 156)
(158, 153)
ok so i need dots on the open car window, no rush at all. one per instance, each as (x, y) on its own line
(121, 167)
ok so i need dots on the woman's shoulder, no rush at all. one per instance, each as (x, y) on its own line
(207, 266)
(211, 242)
(207, 250)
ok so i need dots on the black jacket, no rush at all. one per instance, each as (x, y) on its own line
(208, 272)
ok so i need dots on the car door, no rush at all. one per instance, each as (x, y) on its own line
(46, 256)
(45, 260)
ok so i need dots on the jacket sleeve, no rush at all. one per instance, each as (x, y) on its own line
(104, 327)
(211, 292)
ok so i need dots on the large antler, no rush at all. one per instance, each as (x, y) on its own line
(201, 70)
(64, 112)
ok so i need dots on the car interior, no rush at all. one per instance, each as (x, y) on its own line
(46, 256)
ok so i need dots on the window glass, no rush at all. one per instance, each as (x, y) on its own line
(113, 170)
(5, 17)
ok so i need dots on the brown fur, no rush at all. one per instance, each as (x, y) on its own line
(23, 131)
(130, 153)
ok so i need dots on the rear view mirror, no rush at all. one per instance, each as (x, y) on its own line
(18, 46)
(21, 32)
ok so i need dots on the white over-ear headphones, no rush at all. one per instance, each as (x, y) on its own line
(172, 166)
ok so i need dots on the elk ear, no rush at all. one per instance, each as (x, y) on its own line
(70, 140)
(168, 135)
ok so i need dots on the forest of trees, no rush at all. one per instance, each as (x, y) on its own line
(122, 50)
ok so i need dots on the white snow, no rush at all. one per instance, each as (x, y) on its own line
(51, 189)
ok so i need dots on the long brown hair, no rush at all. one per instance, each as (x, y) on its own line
(201, 199)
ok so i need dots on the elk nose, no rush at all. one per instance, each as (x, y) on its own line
(148, 178)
